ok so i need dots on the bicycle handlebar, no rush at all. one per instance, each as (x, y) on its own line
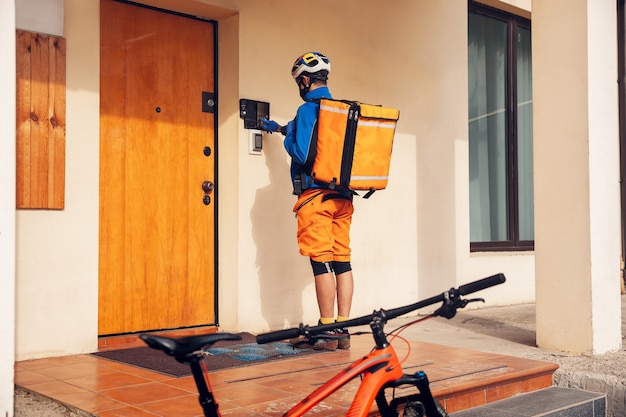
(303, 330)
(481, 284)
(278, 335)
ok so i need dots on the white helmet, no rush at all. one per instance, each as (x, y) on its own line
(313, 63)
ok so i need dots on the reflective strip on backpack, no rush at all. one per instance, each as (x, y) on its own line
(369, 178)
(373, 123)
(333, 109)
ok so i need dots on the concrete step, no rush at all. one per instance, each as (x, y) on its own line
(548, 402)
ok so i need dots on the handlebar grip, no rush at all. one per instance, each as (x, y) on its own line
(278, 335)
(481, 284)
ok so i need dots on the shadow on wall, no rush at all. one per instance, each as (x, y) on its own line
(283, 272)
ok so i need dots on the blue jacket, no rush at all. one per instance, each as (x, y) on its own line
(300, 131)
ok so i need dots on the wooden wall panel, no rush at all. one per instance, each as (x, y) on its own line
(40, 118)
(23, 119)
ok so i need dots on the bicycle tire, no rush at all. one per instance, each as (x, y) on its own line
(414, 409)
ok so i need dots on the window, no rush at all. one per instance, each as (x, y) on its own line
(500, 131)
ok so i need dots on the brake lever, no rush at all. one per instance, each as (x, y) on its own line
(451, 302)
(472, 300)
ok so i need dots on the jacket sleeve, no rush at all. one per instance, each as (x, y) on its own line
(298, 140)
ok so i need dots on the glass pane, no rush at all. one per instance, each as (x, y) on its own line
(525, 136)
(487, 51)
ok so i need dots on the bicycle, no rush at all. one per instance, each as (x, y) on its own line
(380, 370)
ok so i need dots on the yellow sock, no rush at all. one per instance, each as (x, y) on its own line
(326, 320)
(342, 318)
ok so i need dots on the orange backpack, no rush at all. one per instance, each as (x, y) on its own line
(353, 147)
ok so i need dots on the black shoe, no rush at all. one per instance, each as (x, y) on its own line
(322, 341)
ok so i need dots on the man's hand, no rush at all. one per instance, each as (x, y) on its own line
(269, 125)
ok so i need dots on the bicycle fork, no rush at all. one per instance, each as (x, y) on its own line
(424, 396)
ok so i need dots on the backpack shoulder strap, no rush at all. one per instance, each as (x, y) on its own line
(310, 158)
(300, 180)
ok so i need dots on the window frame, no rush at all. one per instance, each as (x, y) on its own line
(513, 23)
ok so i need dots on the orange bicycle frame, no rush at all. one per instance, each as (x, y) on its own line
(377, 368)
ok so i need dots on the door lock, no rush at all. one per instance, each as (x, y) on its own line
(207, 187)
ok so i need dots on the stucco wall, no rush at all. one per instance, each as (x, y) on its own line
(274, 279)
(57, 250)
(409, 241)
(7, 207)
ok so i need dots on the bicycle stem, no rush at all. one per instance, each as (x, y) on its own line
(377, 325)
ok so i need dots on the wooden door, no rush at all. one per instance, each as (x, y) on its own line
(157, 221)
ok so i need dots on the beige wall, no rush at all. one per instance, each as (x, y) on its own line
(274, 280)
(57, 251)
(410, 241)
(7, 207)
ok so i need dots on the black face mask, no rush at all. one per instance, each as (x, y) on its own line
(303, 89)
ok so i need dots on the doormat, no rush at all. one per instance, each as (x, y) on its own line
(222, 355)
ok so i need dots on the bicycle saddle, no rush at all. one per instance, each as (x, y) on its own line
(182, 348)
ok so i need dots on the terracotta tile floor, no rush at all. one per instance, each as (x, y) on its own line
(459, 378)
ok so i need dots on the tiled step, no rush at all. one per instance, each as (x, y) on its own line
(464, 379)
(548, 402)
(461, 379)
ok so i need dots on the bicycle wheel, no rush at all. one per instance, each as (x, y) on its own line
(414, 409)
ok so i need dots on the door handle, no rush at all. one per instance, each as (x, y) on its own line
(207, 187)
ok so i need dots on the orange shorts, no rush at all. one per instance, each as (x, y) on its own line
(324, 226)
